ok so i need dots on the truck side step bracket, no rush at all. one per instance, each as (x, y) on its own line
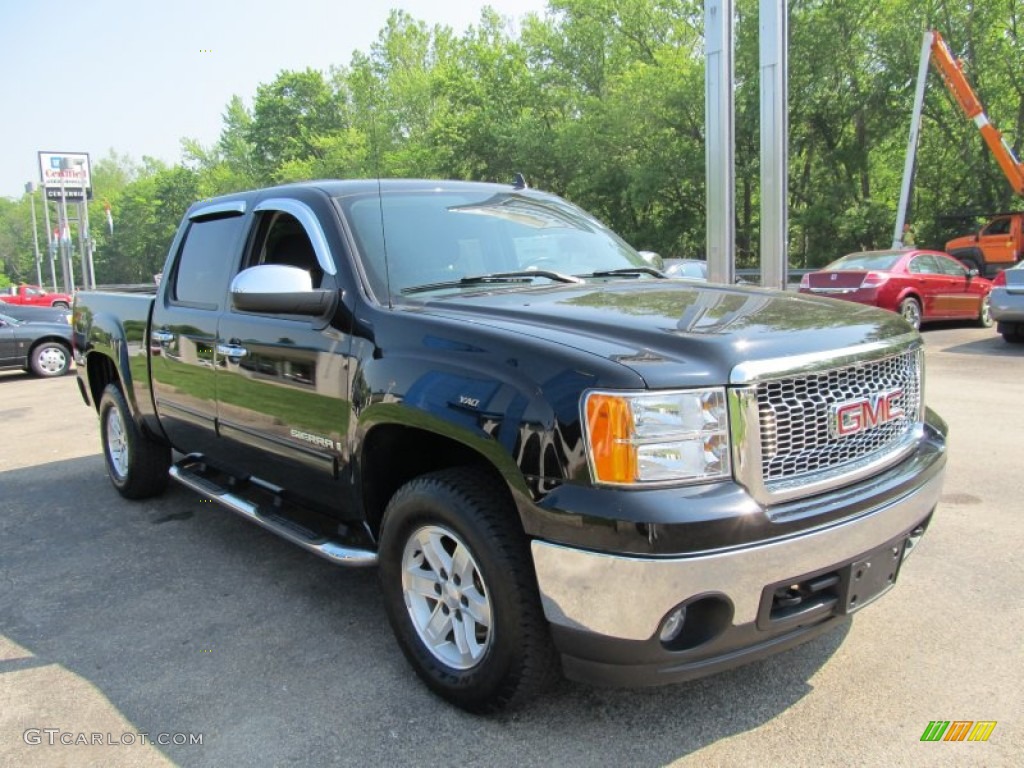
(192, 473)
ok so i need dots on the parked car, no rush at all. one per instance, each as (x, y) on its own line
(694, 269)
(691, 269)
(43, 348)
(36, 314)
(921, 285)
(35, 296)
(1008, 303)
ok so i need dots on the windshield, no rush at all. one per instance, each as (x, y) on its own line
(436, 238)
(882, 261)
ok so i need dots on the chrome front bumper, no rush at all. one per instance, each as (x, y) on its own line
(627, 597)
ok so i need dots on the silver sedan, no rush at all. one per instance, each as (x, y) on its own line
(1008, 303)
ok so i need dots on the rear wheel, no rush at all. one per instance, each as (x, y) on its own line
(460, 591)
(50, 359)
(911, 311)
(61, 305)
(985, 313)
(136, 463)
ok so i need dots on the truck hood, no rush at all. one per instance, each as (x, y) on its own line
(674, 333)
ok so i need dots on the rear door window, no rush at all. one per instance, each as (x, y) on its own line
(207, 261)
(924, 265)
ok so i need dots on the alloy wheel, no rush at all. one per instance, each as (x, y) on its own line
(446, 597)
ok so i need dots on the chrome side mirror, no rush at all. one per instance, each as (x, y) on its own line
(279, 289)
(652, 258)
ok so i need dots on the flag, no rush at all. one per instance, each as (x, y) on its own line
(110, 217)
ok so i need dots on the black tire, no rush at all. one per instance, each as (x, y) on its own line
(984, 319)
(910, 308)
(61, 305)
(136, 463)
(1013, 337)
(50, 359)
(455, 509)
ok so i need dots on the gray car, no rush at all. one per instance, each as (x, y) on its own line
(693, 269)
(1008, 303)
(44, 348)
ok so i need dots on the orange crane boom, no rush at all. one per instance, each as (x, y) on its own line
(952, 75)
(935, 49)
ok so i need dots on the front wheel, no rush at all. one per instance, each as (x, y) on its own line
(136, 463)
(460, 591)
(50, 359)
(911, 311)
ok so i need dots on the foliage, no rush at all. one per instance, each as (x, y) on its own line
(603, 101)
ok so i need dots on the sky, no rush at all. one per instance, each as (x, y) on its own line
(134, 76)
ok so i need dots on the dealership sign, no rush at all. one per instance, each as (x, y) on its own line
(67, 171)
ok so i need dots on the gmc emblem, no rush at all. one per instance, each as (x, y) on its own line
(855, 416)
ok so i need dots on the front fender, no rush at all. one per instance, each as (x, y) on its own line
(527, 426)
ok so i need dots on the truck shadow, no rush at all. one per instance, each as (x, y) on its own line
(16, 374)
(188, 619)
(989, 348)
(990, 345)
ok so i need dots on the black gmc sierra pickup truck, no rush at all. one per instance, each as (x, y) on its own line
(557, 457)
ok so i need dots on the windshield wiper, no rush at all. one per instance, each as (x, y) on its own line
(550, 274)
(627, 271)
(523, 276)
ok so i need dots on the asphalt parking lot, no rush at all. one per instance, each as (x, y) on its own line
(175, 619)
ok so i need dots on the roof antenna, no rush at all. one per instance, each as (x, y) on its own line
(519, 182)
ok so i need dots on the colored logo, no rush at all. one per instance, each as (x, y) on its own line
(855, 416)
(958, 730)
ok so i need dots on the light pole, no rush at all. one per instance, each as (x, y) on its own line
(30, 188)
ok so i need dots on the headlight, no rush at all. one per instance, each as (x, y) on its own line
(657, 437)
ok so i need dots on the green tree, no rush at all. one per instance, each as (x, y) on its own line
(290, 119)
(148, 212)
(603, 101)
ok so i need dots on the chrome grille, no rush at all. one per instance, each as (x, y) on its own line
(795, 415)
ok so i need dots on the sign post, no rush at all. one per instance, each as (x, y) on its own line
(66, 176)
(66, 266)
(49, 242)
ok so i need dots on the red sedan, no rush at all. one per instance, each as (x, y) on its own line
(920, 285)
